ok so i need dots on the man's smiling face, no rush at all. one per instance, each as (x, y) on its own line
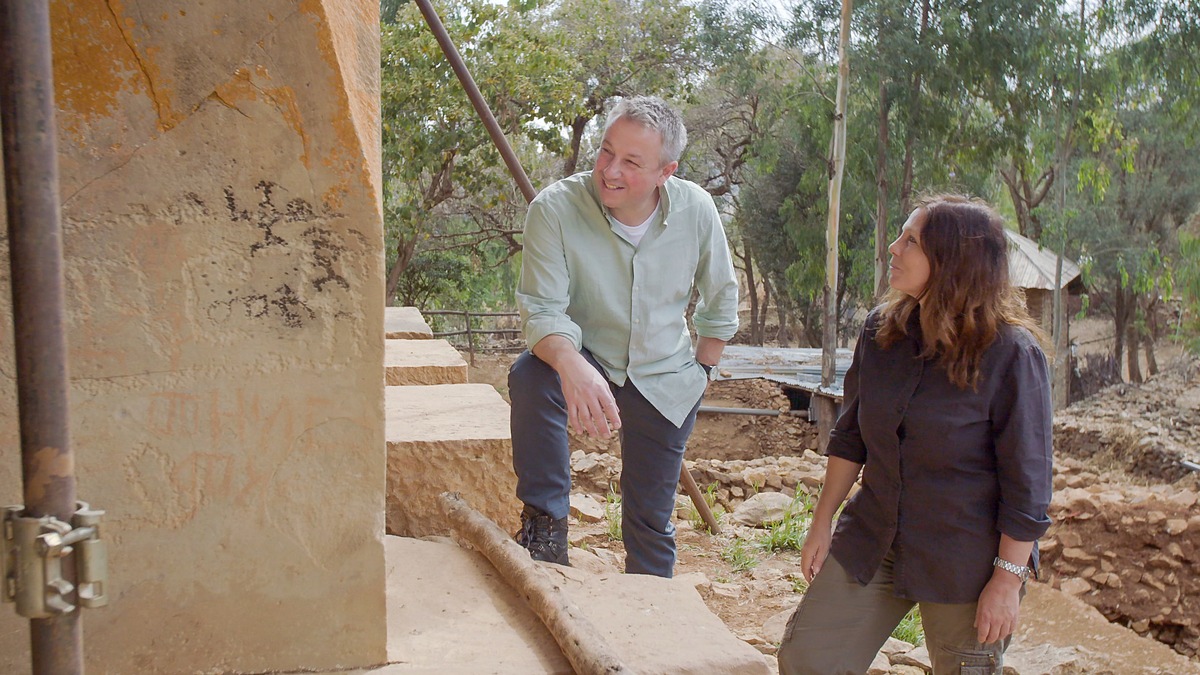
(630, 169)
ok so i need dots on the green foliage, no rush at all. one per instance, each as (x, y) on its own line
(1189, 288)
(612, 514)
(910, 629)
(710, 498)
(740, 556)
(789, 532)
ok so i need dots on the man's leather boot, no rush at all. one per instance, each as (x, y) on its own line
(543, 536)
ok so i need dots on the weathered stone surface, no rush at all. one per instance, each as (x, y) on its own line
(1057, 625)
(223, 269)
(422, 362)
(774, 627)
(586, 508)
(658, 626)
(762, 508)
(448, 437)
(405, 323)
(450, 612)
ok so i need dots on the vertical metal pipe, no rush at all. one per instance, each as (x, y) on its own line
(481, 106)
(35, 259)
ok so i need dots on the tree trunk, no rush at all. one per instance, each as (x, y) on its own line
(1135, 368)
(881, 194)
(1120, 326)
(1151, 336)
(756, 337)
(766, 307)
(572, 160)
(404, 255)
(914, 111)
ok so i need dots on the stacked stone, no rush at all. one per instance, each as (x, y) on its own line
(1151, 582)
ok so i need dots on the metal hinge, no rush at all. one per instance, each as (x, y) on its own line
(32, 551)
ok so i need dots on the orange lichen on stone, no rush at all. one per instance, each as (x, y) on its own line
(246, 87)
(357, 131)
(96, 60)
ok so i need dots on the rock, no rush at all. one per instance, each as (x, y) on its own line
(586, 508)
(880, 666)
(894, 646)
(762, 508)
(1077, 555)
(726, 590)
(696, 580)
(1176, 526)
(772, 629)
(1076, 586)
(917, 657)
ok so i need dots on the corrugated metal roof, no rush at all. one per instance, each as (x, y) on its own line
(1032, 266)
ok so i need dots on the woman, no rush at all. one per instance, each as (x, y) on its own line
(947, 417)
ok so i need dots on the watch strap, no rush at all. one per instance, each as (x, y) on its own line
(1019, 570)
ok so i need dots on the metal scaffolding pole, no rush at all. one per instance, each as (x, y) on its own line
(35, 258)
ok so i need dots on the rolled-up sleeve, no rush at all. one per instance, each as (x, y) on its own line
(543, 290)
(845, 439)
(1022, 427)
(716, 312)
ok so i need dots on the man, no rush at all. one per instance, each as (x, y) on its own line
(610, 260)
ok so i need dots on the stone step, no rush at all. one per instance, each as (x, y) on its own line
(447, 437)
(450, 612)
(422, 362)
(405, 323)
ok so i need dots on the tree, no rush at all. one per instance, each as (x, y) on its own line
(435, 149)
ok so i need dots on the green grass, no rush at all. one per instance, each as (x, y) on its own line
(910, 629)
(710, 498)
(789, 533)
(612, 514)
(740, 556)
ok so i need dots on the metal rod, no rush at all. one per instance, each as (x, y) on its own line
(481, 106)
(768, 412)
(35, 259)
(693, 491)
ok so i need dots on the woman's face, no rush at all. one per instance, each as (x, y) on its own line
(909, 269)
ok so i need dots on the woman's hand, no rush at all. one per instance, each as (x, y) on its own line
(815, 549)
(999, 607)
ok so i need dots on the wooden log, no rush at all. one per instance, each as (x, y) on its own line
(579, 640)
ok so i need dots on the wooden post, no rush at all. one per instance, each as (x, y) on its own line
(826, 405)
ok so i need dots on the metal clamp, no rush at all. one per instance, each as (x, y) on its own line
(32, 551)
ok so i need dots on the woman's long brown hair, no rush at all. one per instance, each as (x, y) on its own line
(968, 295)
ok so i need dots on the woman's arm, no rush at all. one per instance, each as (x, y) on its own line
(840, 475)
(1000, 602)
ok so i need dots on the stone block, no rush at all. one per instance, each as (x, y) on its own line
(422, 362)
(448, 437)
(219, 175)
(448, 611)
(405, 323)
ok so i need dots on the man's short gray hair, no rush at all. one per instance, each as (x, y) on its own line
(654, 113)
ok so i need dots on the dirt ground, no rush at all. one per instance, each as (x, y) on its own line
(1118, 486)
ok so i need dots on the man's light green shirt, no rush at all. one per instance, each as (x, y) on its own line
(581, 279)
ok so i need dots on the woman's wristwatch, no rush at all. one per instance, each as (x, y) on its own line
(710, 371)
(1019, 570)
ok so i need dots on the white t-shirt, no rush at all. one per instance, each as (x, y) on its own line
(634, 234)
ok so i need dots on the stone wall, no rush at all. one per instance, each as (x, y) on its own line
(223, 257)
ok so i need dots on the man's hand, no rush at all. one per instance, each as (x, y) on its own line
(591, 408)
(999, 607)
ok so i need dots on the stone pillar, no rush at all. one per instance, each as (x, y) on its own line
(223, 241)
